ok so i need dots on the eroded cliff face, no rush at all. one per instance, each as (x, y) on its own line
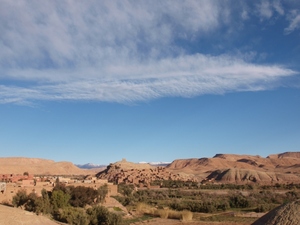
(242, 169)
(285, 155)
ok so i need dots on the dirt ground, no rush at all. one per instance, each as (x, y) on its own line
(15, 216)
(159, 221)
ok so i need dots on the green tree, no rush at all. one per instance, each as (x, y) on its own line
(31, 203)
(20, 198)
(59, 200)
(25, 174)
(99, 215)
(75, 216)
(82, 196)
(45, 205)
(102, 191)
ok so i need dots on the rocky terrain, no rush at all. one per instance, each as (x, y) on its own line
(19, 165)
(222, 168)
(287, 214)
(229, 168)
(137, 173)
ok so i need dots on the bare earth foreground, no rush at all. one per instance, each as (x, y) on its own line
(15, 216)
(159, 221)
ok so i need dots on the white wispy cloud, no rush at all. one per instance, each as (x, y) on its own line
(120, 51)
(185, 76)
(294, 21)
(266, 9)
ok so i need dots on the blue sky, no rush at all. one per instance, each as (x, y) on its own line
(98, 81)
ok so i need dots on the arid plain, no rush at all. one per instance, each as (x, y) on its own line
(247, 173)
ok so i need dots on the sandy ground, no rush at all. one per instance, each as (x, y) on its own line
(159, 221)
(15, 216)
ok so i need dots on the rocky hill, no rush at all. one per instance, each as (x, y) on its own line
(286, 155)
(239, 176)
(222, 168)
(288, 214)
(19, 165)
(137, 173)
(231, 168)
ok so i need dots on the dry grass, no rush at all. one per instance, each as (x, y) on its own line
(186, 215)
(164, 213)
(174, 215)
(145, 209)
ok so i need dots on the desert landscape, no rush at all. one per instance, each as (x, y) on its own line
(150, 112)
(224, 189)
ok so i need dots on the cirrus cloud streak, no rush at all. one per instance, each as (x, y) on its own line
(185, 76)
(123, 51)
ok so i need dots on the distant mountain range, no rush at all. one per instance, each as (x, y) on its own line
(157, 163)
(98, 166)
(90, 166)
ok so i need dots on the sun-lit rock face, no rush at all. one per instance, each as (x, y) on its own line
(137, 173)
(243, 169)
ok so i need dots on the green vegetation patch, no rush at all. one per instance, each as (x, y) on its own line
(118, 209)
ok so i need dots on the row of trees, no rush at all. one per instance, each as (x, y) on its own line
(216, 186)
(67, 204)
(201, 201)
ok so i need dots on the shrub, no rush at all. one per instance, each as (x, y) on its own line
(20, 198)
(125, 201)
(126, 190)
(32, 202)
(60, 186)
(72, 215)
(102, 191)
(59, 199)
(172, 214)
(99, 215)
(81, 196)
(45, 205)
(238, 201)
(145, 208)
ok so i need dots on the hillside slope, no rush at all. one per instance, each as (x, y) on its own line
(232, 168)
(19, 165)
(137, 173)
